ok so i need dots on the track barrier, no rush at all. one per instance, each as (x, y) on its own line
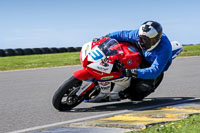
(32, 51)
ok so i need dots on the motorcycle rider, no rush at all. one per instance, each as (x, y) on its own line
(157, 53)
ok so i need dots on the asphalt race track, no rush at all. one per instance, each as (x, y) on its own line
(25, 96)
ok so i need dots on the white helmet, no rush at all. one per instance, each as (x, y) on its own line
(150, 34)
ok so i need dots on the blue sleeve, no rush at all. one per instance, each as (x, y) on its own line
(159, 63)
(155, 69)
(131, 35)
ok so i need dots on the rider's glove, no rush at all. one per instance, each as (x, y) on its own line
(97, 39)
(130, 72)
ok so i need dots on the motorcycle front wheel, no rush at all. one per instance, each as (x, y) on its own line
(65, 97)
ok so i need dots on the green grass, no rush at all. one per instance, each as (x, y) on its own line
(36, 61)
(62, 59)
(188, 125)
(191, 50)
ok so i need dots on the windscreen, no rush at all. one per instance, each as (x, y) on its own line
(110, 47)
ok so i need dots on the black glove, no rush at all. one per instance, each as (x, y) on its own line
(130, 72)
(97, 39)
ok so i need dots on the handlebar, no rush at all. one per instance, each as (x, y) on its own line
(119, 64)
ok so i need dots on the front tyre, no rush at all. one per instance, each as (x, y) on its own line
(65, 97)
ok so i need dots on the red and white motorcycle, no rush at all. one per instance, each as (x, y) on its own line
(101, 77)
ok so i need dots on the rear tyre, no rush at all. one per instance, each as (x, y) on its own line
(65, 97)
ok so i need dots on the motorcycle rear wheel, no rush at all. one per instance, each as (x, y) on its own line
(65, 97)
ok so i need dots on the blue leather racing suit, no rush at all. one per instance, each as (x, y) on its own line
(160, 57)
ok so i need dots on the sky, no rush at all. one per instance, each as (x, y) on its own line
(71, 23)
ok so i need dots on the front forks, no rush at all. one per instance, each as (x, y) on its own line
(85, 87)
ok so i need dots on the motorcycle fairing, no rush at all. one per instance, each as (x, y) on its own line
(177, 48)
(83, 74)
(95, 54)
(100, 67)
(85, 50)
(98, 59)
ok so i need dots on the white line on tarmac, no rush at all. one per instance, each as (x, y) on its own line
(100, 116)
(40, 68)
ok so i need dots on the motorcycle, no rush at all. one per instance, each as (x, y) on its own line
(101, 78)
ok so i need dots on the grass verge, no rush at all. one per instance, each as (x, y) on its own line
(188, 125)
(191, 50)
(36, 61)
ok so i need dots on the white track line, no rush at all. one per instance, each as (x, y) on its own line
(100, 116)
(40, 68)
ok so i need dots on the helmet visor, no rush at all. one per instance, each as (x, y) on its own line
(146, 42)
